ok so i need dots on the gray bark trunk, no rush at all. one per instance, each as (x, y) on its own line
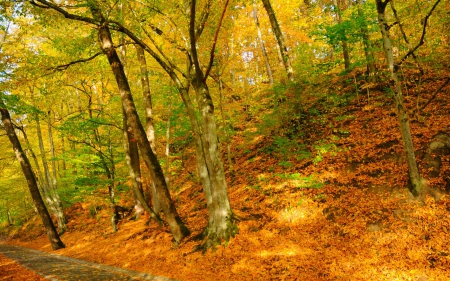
(414, 175)
(149, 126)
(50, 192)
(370, 60)
(343, 42)
(280, 39)
(53, 236)
(177, 228)
(262, 45)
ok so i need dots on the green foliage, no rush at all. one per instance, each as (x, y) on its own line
(323, 148)
(301, 181)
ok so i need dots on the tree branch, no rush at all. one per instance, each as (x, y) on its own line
(193, 38)
(66, 66)
(434, 94)
(213, 48)
(422, 38)
(50, 5)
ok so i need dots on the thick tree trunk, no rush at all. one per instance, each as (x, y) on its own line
(414, 175)
(53, 236)
(280, 39)
(177, 228)
(149, 126)
(50, 192)
(262, 45)
(221, 223)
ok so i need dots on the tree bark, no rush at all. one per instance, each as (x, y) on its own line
(280, 39)
(343, 42)
(149, 126)
(177, 228)
(221, 224)
(50, 192)
(53, 236)
(370, 60)
(262, 45)
(414, 175)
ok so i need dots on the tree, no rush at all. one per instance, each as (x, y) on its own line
(27, 170)
(402, 113)
(280, 39)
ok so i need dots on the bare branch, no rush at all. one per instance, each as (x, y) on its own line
(66, 66)
(193, 38)
(422, 38)
(211, 59)
(434, 94)
(50, 5)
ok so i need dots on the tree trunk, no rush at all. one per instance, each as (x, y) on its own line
(177, 228)
(280, 39)
(133, 163)
(52, 151)
(53, 236)
(343, 42)
(414, 175)
(221, 224)
(370, 60)
(262, 45)
(149, 126)
(50, 192)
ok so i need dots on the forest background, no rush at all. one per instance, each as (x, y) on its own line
(310, 139)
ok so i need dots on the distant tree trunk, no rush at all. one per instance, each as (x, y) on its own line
(414, 175)
(52, 151)
(63, 147)
(167, 152)
(133, 162)
(130, 146)
(50, 192)
(343, 42)
(262, 45)
(370, 60)
(40, 175)
(178, 229)
(280, 39)
(150, 128)
(53, 236)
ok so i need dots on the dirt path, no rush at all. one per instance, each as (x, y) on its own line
(55, 267)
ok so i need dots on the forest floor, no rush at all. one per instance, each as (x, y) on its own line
(11, 271)
(342, 212)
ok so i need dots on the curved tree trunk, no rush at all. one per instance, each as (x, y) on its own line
(177, 228)
(280, 39)
(53, 236)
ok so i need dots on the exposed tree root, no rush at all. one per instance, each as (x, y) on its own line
(211, 237)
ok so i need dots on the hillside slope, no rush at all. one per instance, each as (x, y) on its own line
(321, 196)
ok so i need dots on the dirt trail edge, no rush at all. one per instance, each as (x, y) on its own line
(55, 267)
